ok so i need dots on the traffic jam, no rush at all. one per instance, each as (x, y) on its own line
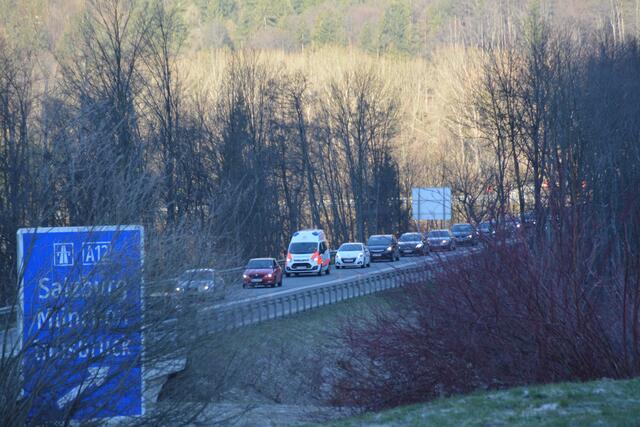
(309, 251)
(309, 254)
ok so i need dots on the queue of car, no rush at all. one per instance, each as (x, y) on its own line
(308, 253)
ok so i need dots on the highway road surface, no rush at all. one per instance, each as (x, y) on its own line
(236, 293)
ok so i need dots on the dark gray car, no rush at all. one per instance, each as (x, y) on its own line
(413, 244)
(465, 234)
(197, 281)
(486, 229)
(441, 240)
(383, 246)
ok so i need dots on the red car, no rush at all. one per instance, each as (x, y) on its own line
(262, 272)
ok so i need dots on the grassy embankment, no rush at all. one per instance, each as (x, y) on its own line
(283, 362)
(596, 403)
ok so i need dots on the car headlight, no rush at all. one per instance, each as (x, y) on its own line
(337, 256)
(244, 276)
(419, 245)
(178, 289)
(389, 249)
(269, 276)
(444, 242)
(206, 287)
(360, 256)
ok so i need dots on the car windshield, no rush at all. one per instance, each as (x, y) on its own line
(379, 240)
(196, 275)
(350, 247)
(303, 247)
(438, 233)
(260, 263)
(411, 237)
(462, 228)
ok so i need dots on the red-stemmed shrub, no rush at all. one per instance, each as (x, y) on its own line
(516, 313)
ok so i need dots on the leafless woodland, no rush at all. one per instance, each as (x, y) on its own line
(222, 154)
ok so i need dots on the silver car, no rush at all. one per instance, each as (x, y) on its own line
(200, 280)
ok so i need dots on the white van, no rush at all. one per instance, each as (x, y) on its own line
(308, 253)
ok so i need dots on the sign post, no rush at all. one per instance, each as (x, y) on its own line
(80, 321)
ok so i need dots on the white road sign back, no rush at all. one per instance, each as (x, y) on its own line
(431, 204)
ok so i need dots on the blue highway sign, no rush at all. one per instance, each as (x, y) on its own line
(81, 313)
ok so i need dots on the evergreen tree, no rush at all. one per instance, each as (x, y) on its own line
(398, 33)
(329, 29)
(212, 9)
(369, 39)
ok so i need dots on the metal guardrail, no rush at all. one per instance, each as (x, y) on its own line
(286, 302)
(228, 276)
(258, 309)
(254, 310)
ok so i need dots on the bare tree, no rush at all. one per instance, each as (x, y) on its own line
(362, 114)
(165, 97)
(19, 159)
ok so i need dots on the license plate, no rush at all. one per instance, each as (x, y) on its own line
(376, 255)
(256, 280)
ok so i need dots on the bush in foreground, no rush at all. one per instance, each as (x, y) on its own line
(506, 317)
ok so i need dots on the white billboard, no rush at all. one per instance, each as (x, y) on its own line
(431, 203)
